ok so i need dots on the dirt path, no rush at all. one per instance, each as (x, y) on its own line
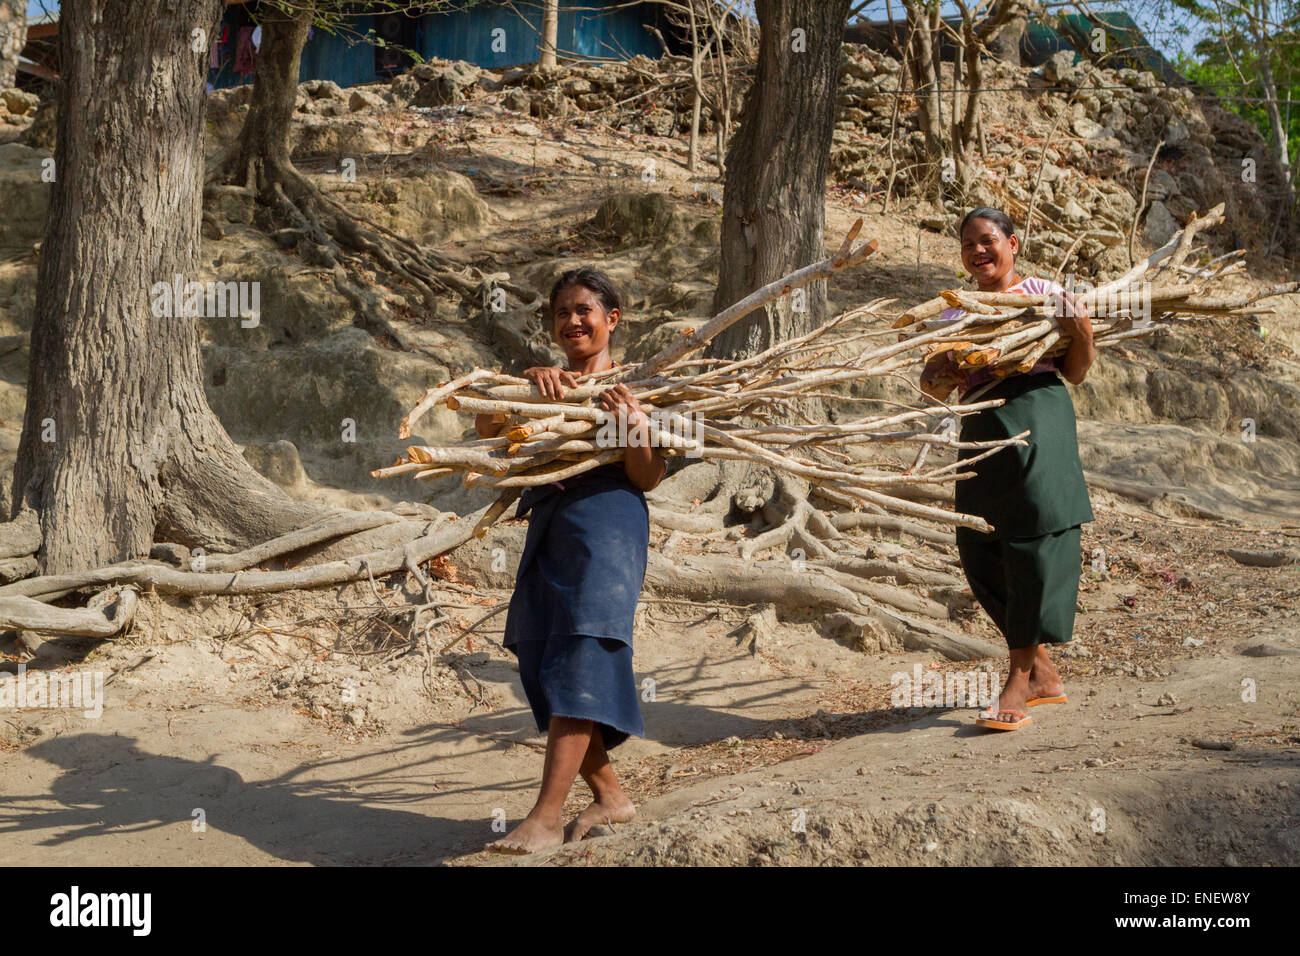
(791, 756)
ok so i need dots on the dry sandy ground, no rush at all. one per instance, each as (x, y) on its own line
(791, 756)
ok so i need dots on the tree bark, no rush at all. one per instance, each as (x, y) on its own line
(1004, 40)
(774, 207)
(925, 79)
(119, 444)
(262, 159)
(13, 37)
(550, 34)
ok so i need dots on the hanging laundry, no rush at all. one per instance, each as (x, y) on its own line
(257, 38)
(214, 62)
(244, 53)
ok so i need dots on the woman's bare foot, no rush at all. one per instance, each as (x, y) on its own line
(609, 810)
(1044, 681)
(529, 837)
(1014, 700)
(1012, 706)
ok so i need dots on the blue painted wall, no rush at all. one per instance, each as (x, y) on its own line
(492, 34)
(489, 33)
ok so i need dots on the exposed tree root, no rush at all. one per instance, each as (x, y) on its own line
(107, 613)
(330, 236)
(881, 522)
(728, 580)
(441, 538)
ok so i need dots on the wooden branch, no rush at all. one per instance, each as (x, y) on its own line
(694, 340)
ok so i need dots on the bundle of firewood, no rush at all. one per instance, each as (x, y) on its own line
(750, 409)
(744, 409)
(1009, 333)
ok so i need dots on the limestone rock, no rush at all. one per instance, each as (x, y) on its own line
(1160, 224)
(636, 218)
(277, 461)
(1087, 128)
(19, 102)
(1176, 133)
(26, 197)
(438, 206)
(321, 89)
(363, 99)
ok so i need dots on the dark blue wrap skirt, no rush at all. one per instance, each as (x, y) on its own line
(576, 591)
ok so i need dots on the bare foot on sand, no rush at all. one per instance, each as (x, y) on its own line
(529, 837)
(1044, 681)
(619, 810)
(1012, 706)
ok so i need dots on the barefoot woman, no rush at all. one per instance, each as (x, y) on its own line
(576, 591)
(1025, 573)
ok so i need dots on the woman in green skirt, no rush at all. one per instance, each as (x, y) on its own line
(1025, 572)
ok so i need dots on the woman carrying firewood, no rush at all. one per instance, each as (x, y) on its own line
(579, 579)
(1025, 572)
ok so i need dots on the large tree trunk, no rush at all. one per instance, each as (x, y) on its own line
(262, 159)
(13, 37)
(119, 443)
(774, 210)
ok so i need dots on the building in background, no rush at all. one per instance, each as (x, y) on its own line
(488, 33)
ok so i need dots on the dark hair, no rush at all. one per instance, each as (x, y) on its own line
(995, 216)
(594, 281)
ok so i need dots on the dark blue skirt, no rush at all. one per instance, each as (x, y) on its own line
(571, 615)
(587, 678)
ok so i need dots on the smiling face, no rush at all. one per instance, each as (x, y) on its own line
(989, 254)
(581, 324)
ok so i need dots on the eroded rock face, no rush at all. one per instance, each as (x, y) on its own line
(638, 217)
(437, 206)
(26, 197)
(1160, 224)
(277, 461)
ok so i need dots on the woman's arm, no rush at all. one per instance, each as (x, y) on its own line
(642, 464)
(1072, 317)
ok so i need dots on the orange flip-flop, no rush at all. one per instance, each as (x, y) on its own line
(991, 723)
(1035, 701)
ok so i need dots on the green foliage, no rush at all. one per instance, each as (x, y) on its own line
(1242, 36)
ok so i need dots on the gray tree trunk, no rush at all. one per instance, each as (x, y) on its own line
(262, 159)
(550, 34)
(119, 446)
(13, 37)
(774, 206)
(1004, 42)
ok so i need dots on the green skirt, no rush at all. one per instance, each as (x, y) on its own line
(1029, 491)
(1028, 586)
(1025, 572)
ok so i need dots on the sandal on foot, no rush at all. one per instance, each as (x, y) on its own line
(988, 718)
(1035, 701)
